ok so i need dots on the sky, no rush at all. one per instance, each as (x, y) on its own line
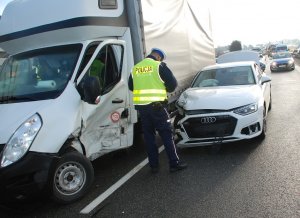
(3, 4)
(249, 21)
(254, 21)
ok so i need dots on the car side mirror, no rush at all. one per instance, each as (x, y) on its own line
(265, 79)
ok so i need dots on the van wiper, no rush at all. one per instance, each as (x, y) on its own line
(8, 99)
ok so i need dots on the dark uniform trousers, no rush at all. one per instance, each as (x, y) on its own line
(154, 118)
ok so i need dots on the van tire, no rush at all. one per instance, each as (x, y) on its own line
(72, 178)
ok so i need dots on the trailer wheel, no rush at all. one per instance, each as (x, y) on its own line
(71, 178)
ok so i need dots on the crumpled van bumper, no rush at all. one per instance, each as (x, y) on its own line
(27, 178)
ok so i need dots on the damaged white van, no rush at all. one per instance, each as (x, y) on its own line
(64, 57)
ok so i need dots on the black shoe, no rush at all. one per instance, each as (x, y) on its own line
(180, 166)
(154, 170)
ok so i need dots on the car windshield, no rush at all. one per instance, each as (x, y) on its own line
(281, 48)
(241, 75)
(282, 55)
(38, 75)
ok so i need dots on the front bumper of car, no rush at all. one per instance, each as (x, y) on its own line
(215, 128)
(282, 66)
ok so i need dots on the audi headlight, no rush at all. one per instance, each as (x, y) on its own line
(181, 102)
(274, 64)
(290, 62)
(247, 109)
(21, 140)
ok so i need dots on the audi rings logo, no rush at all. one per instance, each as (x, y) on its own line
(207, 120)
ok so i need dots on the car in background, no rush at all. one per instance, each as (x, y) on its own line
(226, 102)
(276, 48)
(296, 53)
(282, 61)
(257, 49)
(281, 48)
(271, 50)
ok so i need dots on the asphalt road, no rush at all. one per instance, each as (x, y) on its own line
(245, 179)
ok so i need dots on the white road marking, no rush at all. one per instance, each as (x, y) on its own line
(91, 206)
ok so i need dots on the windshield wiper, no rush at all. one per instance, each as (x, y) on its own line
(8, 99)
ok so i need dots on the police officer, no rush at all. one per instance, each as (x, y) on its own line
(150, 80)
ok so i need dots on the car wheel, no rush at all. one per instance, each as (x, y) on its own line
(270, 103)
(71, 178)
(264, 127)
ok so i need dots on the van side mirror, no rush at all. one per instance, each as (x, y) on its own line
(91, 89)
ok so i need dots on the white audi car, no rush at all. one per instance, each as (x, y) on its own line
(225, 103)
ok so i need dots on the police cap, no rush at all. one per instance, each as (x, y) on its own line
(159, 52)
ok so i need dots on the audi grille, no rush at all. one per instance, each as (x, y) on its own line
(210, 126)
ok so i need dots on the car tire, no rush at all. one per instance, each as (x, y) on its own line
(264, 127)
(71, 178)
(270, 104)
(293, 68)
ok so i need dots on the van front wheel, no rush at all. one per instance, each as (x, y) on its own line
(72, 177)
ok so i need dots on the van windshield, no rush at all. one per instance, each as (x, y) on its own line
(38, 75)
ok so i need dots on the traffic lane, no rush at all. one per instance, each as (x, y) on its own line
(285, 121)
(201, 190)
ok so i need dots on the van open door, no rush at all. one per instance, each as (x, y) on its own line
(107, 120)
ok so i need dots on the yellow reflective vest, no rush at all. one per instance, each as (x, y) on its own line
(147, 84)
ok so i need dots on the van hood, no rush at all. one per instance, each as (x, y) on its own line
(13, 115)
(219, 98)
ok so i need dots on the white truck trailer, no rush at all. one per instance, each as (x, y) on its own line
(51, 128)
(3, 56)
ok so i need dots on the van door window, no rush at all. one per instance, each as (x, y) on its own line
(106, 66)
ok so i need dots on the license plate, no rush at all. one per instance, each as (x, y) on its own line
(281, 66)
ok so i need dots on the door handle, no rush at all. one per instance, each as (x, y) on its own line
(117, 101)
